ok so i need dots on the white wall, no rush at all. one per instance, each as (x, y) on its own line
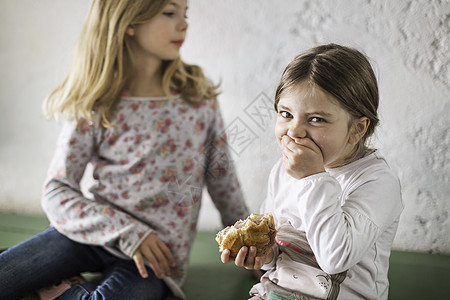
(246, 45)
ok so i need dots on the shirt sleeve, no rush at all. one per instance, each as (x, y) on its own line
(267, 207)
(341, 235)
(79, 218)
(220, 173)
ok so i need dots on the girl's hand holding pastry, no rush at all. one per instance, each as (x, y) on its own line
(247, 258)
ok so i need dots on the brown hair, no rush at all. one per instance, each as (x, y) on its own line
(344, 73)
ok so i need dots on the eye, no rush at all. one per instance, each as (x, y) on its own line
(168, 13)
(286, 115)
(316, 120)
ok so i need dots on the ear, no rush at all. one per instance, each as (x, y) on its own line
(131, 30)
(358, 130)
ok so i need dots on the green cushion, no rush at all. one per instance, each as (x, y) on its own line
(411, 275)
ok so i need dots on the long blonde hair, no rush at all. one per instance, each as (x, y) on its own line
(103, 62)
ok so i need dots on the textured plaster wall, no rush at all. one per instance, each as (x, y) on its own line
(246, 45)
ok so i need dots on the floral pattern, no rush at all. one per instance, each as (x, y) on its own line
(149, 171)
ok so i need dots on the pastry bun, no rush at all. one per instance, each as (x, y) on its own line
(257, 230)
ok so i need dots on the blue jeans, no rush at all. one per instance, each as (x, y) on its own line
(50, 257)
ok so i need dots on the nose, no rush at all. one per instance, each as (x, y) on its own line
(297, 130)
(183, 25)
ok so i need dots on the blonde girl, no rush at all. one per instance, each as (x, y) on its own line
(150, 126)
(335, 201)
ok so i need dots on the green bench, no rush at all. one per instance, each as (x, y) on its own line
(412, 275)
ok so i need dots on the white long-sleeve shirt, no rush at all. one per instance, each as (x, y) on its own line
(350, 216)
(149, 171)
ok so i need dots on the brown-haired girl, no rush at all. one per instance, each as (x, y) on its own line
(150, 126)
(335, 201)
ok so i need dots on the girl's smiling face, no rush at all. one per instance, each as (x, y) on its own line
(306, 111)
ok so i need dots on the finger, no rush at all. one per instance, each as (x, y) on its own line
(259, 262)
(250, 260)
(286, 151)
(154, 265)
(289, 156)
(293, 140)
(240, 257)
(308, 143)
(290, 146)
(303, 146)
(161, 259)
(293, 143)
(139, 262)
(225, 257)
(287, 142)
(167, 253)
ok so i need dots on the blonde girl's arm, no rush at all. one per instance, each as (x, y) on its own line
(220, 174)
(81, 219)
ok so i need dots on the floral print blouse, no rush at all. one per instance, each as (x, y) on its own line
(149, 170)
